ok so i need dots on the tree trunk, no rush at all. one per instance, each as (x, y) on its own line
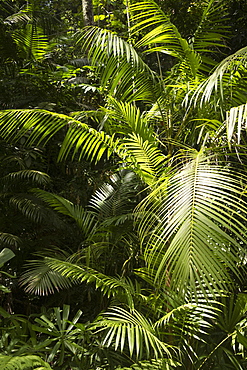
(87, 11)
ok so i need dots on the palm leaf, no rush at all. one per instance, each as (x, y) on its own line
(86, 220)
(211, 29)
(194, 228)
(122, 72)
(28, 362)
(148, 160)
(40, 126)
(165, 37)
(223, 76)
(116, 198)
(134, 329)
(9, 239)
(40, 279)
(236, 120)
(125, 118)
(31, 41)
(50, 274)
(33, 176)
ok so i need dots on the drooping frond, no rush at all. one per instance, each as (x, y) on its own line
(40, 279)
(50, 274)
(194, 227)
(28, 362)
(40, 126)
(236, 121)
(226, 74)
(9, 239)
(164, 36)
(33, 176)
(31, 41)
(132, 329)
(117, 197)
(122, 72)
(28, 207)
(86, 220)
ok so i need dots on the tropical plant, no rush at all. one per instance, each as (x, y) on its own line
(172, 130)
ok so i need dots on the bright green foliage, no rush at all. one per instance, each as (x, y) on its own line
(23, 363)
(161, 242)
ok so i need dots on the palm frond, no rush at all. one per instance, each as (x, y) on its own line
(28, 207)
(117, 197)
(164, 37)
(40, 279)
(194, 228)
(86, 220)
(122, 72)
(9, 240)
(31, 41)
(125, 118)
(36, 177)
(236, 120)
(50, 274)
(148, 160)
(40, 126)
(222, 76)
(211, 29)
(28, 362)
(134, 329)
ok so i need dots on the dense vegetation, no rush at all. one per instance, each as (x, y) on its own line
(123, 185)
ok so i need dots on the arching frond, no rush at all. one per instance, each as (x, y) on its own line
(9, 239)
(194, 228)
(40, 126)
(50, 274)
(122, 72)
(164, 36)
(225, 74)
(40, 279)
(236, 120)
(86, 220)
(134, 330)
(28, 362)
(28, 207)
(36, 177)
(31, 41)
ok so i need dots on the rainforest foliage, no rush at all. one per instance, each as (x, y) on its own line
(123, 185)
